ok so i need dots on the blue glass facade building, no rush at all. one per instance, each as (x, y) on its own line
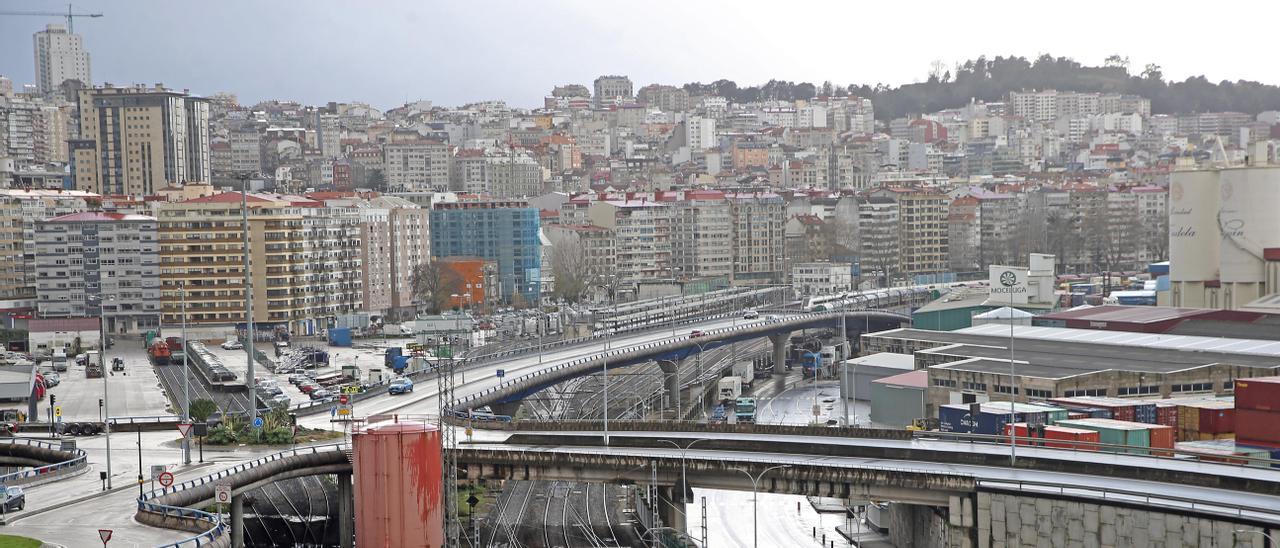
(503, 232)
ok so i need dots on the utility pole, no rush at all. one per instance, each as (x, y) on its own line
(248, 298)
(186, 381)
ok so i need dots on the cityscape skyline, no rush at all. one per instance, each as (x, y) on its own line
(296, 56)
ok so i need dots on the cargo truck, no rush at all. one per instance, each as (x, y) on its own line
(744, 409)
(746, 372)
(729, 389)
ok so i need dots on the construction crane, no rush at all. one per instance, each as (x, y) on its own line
(70, 15)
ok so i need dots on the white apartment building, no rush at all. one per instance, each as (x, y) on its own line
(700, 133)
(414, 167)
(642, 236)
(95, 263)
(35, 205)
(702, 243)
(759, 237)
(821, 278)
(60, 56)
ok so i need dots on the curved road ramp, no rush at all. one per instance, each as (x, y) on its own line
(42, 461)
(966, 482)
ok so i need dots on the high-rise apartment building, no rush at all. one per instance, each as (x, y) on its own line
(60, 56)
(22, 209)
(395, 238)
(701, 244)
(137, 140)
(759, 237)
(95, 263)
(419, 166)
(506, 233)
(33, 129)
(642, 233)
(923, 235)
(305, 261)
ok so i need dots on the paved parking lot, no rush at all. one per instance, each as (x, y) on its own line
(135, 391)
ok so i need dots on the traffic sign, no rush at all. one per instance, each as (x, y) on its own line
(184, 428)
(222, 493)
(257, 422)
(157, 470)
(472, 500)
(502, 373)
(342, 399)
(57, 411)
(105, 535)
(166, 479)
(344, 410)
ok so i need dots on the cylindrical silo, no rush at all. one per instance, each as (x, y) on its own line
(398, 486)
(1193, 226)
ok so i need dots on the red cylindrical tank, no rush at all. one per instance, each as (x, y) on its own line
(398, 486)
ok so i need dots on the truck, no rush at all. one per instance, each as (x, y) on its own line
(729, 389)
(744, 409)
(59, 360)
(745, 370)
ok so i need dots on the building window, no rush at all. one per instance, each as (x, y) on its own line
(944, 382)
(1042, 394)
(1088, 392)
(1193, 387)
(1005, 390)
(1138, 390)
(977, 386)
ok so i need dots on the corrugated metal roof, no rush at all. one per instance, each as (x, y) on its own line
(1191, 343)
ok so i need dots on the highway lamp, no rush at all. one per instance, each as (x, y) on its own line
(684, 480)
(102, 365)
(186, 382)
(248, 296)
(755, 500)
(1235, 536)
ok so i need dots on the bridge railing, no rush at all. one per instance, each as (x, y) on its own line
(216, 526)
(469, 401)
(1142, 497)
(48, 471)
(1097, 447)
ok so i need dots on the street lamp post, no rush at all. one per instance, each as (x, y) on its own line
(186, 382)
(755, 500)
(684, 480)
(250, 381)
(102, 366)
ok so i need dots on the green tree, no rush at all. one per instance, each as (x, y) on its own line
(202, 408)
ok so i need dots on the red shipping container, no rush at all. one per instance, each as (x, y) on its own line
(1074, 416)
(1167, 415)
(1161, 438)
(1252, 424)
(1262, 394)
(1022, 435)
(1123, 413)
(1217, 421)
(1071, 434)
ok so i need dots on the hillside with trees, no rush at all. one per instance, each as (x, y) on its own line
(991, 79)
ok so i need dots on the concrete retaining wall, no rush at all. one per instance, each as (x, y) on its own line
(1008, 521)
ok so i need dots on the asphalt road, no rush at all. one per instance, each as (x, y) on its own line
(132, 392)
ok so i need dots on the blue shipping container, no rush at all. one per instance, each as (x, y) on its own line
(955, 418)
(399, 363)
(340, 336)
(1145, 413)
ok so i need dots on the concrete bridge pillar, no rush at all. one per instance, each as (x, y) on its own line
(671, 380)
(237, 521)
(671, 510)
(346, 512)
(779, 341)
(508, 408)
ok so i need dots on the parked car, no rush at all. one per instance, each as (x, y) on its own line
(308, 387)
(319, 394)
(751, 315)
(297, 378)
(696, 333)
(401, 385)
(51, 379)
(281, 400)
(233, 345)
(14, 499)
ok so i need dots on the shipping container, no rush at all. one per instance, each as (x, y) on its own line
(1254, 424)
(1167, 415)
(1259, 394)
(1161, 437)
(1136, 436)
(1223, 450)
(1067, 435)
(1022, 435)
(1145, 412)
(1077, 415)
(340, 336)
(1052, 414)
(1217, 418)
(955, 418)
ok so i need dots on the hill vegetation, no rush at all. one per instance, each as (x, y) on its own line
(992, 79)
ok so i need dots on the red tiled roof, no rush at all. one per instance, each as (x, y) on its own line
(62, 324)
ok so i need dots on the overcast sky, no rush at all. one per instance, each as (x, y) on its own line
(387, 52)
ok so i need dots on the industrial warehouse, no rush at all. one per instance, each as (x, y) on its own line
(972, 365)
